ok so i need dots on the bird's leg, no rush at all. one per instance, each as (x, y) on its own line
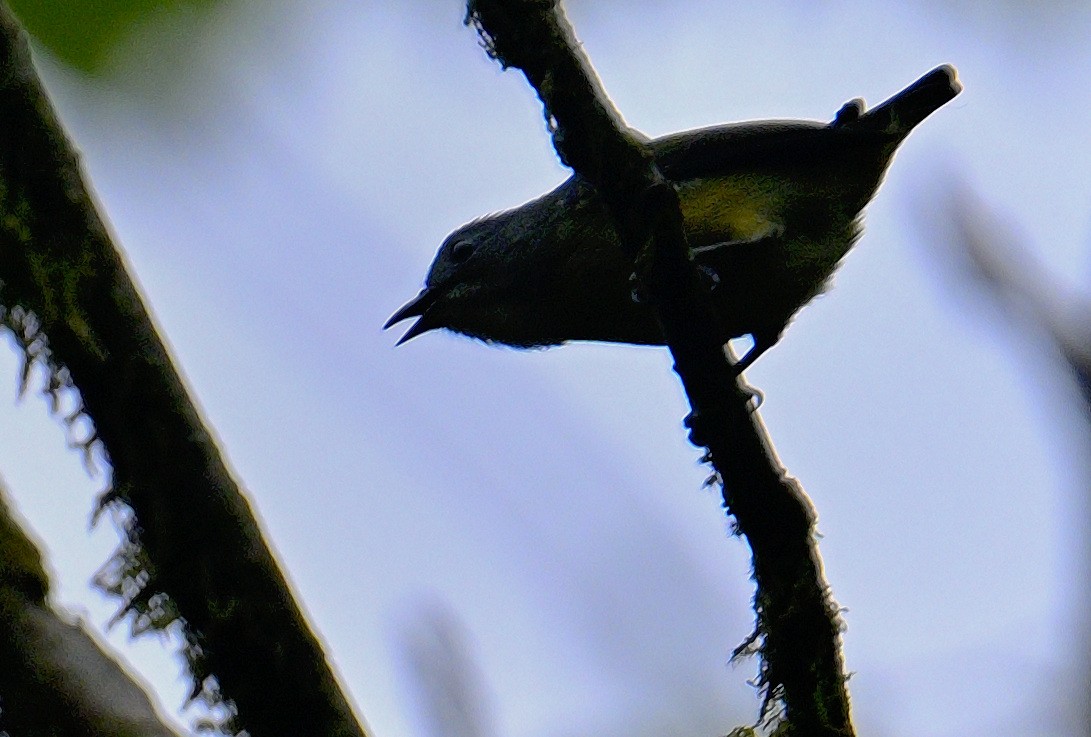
(762, 342)
(707, 275)
(756, 395)
(698, 422)
(749, 357)
(638, 292)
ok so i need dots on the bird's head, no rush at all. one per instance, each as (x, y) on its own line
(482, 283)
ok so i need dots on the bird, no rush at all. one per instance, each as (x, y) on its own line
(770, 208)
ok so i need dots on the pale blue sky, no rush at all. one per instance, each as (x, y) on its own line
(280, 179)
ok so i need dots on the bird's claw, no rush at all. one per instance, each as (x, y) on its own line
(710, 279)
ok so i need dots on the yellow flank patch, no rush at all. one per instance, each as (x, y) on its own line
(736, 208)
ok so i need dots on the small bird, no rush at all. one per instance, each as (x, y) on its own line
(770, 208)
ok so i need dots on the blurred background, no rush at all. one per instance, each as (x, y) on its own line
(494, 542)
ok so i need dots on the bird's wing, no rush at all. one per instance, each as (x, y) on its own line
(764, 146)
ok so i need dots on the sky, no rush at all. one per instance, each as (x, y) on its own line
(279, 178)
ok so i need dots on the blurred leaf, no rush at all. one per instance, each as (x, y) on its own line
(83, 33)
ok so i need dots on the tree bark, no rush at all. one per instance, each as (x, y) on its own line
(798, 624)
(195, 551)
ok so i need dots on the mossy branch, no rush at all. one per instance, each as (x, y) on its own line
(56, 679)
(798, 624)
(194, 550)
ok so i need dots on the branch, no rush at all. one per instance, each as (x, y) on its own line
(56, 679)
(194, 550)
(988, 251)
(984, 249)
(797, 621)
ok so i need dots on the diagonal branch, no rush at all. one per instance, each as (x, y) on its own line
(986, 251)
(195, 551)
(798, 625)
(56, 678)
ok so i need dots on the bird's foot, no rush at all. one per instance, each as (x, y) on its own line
(710, 279)
(756, 397)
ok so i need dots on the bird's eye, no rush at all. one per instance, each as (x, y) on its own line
(462, 251)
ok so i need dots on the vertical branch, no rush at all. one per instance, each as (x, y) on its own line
(798, 627)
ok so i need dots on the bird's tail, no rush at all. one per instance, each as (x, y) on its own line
(905, 110)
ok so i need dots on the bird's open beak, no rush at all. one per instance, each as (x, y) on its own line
(418, 307)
